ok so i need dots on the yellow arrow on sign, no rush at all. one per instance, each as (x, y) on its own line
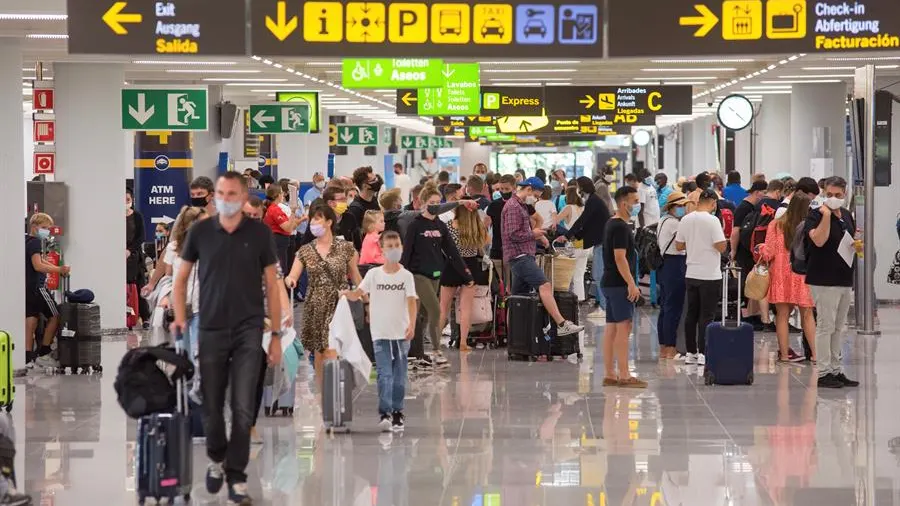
(114, 18)
(613, 163)
(408, 98)
(588, 101)
(282, 27)
(706, 21)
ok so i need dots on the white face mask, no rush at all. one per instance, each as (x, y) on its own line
(530, 200)
(834, 203)
(320, 184)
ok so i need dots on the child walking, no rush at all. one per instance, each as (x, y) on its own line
(392, 298)
(373, 226)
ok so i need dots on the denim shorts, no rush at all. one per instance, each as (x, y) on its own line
(526, 275)
(618, 308)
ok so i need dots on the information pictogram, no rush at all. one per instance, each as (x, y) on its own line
(742, 19)
(450, 23)
(786, 19)
(366, 22)
(44, 163)
(408, 23)
(578, 24)
(492, 23)
(323, 22)
(535, 24)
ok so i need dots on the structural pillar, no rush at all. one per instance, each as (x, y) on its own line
(208, 145)
(268, 156)
(163, 163)
(818, 125)
(89, 160)
(774, 140)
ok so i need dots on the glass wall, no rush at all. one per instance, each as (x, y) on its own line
(575, 163)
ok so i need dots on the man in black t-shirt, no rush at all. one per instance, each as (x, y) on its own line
(620, 289)
(233, 252)
(830, 261)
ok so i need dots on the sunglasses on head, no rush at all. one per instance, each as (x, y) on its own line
(708, 195)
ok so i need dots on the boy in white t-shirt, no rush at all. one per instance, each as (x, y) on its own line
(392, 306)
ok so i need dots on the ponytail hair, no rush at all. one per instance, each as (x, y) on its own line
(272, 193)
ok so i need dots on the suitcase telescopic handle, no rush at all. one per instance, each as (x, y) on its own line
(181, 403)
(726, 272)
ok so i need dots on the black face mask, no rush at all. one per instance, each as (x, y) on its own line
(198, 202)
(375, 186)
(506, 196)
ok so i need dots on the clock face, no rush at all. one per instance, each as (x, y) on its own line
(735, 112)
(641, 137)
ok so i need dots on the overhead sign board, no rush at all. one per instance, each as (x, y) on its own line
(585, 124)
(374, 73)
(462, 121)
(310, 98)
(707, 27)
(460, 93)
(356, 135)
(279, 118)
(173, 27)
(512, 101)
(625, 104)
(473, 28)
(165, 109)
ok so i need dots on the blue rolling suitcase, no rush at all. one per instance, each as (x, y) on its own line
(729, 345)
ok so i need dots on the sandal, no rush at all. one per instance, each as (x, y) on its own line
(610, 382)
(632, 382)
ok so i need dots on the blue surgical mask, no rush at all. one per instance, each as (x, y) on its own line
(649, 181)
(680, 212)
(393, 255)
(43, 233)
(554, 185)
(160, 236)
(496, 195)
(228, 209)
(635, 211)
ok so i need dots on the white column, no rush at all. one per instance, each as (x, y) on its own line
(208, 144)
(12, 205)
(814, 106)
(301, 156)
(89, 161)
(774, 128)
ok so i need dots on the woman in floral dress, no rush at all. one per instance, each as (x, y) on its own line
(786, 288)
(329, 263)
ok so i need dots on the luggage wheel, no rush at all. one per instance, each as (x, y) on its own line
(709, 378)
(579, 356)
(9, 407)
(287, 411)
(750, 378)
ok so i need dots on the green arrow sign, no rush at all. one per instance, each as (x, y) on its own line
(460, 94)
(279, 118)
(357, 135)
(392, 73)
(416, 141)
(481, 131)
(165, 109)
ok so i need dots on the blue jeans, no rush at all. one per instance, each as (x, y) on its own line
(597, 273)
(390, 363)
(671, 298)
(191, 341)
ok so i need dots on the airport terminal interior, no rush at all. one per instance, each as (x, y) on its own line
(97, 96)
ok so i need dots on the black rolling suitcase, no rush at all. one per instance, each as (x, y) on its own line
(563, 346)
(526, 320)
(79, 341)
(164, 452)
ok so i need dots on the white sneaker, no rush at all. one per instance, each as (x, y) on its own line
(701, 359)
(690, 359)
(567, 328)
(679, 357)
(447, 331)
(439, 359)
(46, 361)
(597, 314)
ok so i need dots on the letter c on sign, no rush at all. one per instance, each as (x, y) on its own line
(651, 101)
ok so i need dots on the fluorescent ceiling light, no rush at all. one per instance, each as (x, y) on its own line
(705, 60)
(769, 92)
(817, 76)
(323, 64)
(531, 62)
(266, 91)
(182, 62)
(46, 36)
(334, 71)
(384, 91)
(508, 71)
(27, 91)
(811, 81)
(641, 83)
(258, 84)
(33, 17)
(770, 87)
(248, 79)
(212, 71)
(691, 69)
(691, 78)
(685, 83)
(509, 79)
(865, 58)
(828, 68)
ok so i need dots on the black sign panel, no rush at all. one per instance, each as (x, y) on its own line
(512, 100)
(462, 121)
(453, 131)
(463, 28)
(408, 102)
(174, 27)
(714, 27)
(585, 124)
(624, 104)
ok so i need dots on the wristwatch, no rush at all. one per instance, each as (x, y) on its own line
(276, 333)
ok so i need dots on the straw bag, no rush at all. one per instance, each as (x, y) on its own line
(757, 285)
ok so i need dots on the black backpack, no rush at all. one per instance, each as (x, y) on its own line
(754, 229)
(647, 244)
(799, 250)
(142, 388)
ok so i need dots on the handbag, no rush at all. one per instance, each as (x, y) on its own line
(894, 272)
(757, 284)
(482, 310)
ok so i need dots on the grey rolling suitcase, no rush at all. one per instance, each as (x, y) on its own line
(337, 397)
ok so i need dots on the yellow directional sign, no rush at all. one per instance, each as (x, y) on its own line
(450, 23)
(492, 24)
(366, 22)
(606, 101)
(521, 124)
(114, 18)
(705, 22)
(588, 101)
(408, 99)
(408, 23)
(786, 19)
(281, 27)
(323, 21)
(613, 163)
(742, 19)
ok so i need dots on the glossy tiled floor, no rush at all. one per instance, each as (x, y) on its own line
(491, 432)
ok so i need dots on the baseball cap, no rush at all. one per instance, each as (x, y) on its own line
(534, 183)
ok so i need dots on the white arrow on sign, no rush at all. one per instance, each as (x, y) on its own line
(346, 135)
(165, 220)
(141, 114)
(406, 142)
(260, 118)
(448, 71)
